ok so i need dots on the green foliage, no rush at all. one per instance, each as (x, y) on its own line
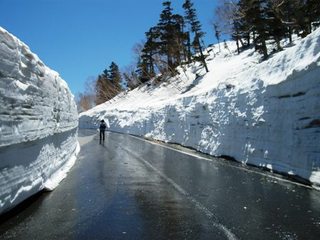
(265, 20)
(168, 45)
(192, 20)
(108, 84)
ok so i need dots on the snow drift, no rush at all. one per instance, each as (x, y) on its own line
(261, 113)
(38, 124)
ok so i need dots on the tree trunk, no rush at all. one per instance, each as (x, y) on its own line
(203, 60)
(238, 49)
(189, 48)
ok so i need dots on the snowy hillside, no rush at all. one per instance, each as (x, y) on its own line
(38, 124)
(261, 113)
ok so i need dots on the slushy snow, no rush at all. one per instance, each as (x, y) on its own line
(262, 113)
(38, 124)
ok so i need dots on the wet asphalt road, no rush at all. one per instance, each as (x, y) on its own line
(132, 189)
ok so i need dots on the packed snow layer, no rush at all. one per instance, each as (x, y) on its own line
(38, 124)
(261, 113)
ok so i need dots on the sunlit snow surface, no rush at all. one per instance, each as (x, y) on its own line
(38, 124)
(262, 113)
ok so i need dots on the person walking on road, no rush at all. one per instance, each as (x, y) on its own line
(102, 128)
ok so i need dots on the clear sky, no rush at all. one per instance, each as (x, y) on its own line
(80, 38)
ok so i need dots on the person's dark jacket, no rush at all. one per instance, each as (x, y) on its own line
(103, 126)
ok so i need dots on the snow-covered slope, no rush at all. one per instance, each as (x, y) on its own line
(261, 113)
(38, 124)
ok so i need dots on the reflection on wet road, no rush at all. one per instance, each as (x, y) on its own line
(132, 189)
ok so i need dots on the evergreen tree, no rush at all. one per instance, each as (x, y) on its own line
(108, 84)
(232, 14)
(263, 20)
(285, 10)
(301, 20)
(151, 48)
(179, 39)
(244, 25)
(142, 71)
(312, 11)
(253, 17)
(191, 18)
(115, 77)
(188, 47)
(275, 28)
(236, 34)
(101, 89)
(171, 37)
(131, 77)
(259, 24)
(166, 29)
(146, 64)
(164, 48)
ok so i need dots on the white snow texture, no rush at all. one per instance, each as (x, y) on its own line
(261, 113)
(38, 124)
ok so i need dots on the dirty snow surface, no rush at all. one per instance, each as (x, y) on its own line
(38, 124)
(265, 113)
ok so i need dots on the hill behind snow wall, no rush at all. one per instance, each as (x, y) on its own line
(38, 124)
(261, 113)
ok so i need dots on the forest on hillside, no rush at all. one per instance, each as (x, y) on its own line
(177, 40)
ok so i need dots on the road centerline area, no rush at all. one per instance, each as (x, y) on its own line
(196, 203)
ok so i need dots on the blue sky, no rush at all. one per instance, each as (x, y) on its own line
(80, 38)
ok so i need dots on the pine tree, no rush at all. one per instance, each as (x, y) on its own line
(146, 64)
(312, 10)
(236, 34)
(306, 15)
(233, 14)
(263, 20)
(275, 28)
(260, 26)
(115, 77)
(285, 11)
(171, 38)
(244, 26)
(108, 84)
(165, 26)
(253, 18)
(191, 18)
(143, 71)
(131, 77)
(188, 47)
(179, 51)
(101, 89)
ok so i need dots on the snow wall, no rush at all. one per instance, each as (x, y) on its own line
(38, 124)
(267, 114)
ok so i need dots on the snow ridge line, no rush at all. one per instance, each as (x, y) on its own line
(197, 204)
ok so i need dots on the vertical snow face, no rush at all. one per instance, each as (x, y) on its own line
(38, 124)
(266, 114)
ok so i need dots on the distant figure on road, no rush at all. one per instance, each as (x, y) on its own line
(102, 128)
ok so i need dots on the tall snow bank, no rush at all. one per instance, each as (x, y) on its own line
(38, 124)
(261, 113)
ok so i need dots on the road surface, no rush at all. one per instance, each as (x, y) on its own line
(129, 188)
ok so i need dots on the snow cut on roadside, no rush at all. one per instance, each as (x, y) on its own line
(261, 113)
